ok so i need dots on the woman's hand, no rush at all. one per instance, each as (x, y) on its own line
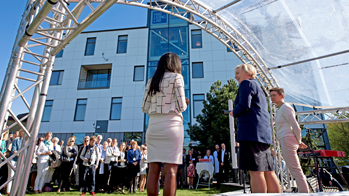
(302, 146)
(187, 101)
(135, 163)
(49, 152)
(231, 113)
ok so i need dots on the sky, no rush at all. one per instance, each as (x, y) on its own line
(118, 16)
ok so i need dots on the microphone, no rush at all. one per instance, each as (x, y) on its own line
(225, 112)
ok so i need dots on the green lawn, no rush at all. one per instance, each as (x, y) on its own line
(180, 192)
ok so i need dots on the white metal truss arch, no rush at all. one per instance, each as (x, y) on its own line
(64, 24)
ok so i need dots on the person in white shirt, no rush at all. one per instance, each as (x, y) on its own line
(289, 135)
(43, 152)
(112, 159)
(216, 162)
(121, 170)
(98, 175)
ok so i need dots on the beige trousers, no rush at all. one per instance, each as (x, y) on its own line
(289, 146)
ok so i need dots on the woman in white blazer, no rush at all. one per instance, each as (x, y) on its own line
(53, 173)
(289, 135)
(43, 152)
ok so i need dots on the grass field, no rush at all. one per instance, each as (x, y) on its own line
(180, 192)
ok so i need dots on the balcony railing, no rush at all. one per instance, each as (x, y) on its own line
(96, 83)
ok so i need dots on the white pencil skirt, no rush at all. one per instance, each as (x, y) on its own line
(165, 135)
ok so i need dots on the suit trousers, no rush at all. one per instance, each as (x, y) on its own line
(89, 176)
(10, 174)
(289, 146)
(223, 176)
(40, 177)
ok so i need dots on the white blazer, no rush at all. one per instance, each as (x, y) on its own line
(170, 99)
(112, 154)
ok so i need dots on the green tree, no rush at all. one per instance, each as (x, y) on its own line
(213, 127)
(338, 134)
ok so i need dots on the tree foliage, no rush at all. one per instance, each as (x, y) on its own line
(213, 127)
(338, 134)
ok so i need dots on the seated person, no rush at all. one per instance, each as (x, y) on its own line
(328, 180)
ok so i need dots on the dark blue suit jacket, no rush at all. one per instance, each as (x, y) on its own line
(251, 109)
(133, 153)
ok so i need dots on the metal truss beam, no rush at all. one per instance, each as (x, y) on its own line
(323, 116)
(63, 26)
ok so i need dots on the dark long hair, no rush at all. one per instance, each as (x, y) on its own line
(168, 62)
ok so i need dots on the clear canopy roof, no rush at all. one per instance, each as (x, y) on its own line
(284, 32)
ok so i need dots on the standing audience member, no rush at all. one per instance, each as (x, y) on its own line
(121, 170)
(99, 176)
(165, 132)
(9, 139)
(89, 155)
(289, 134)
(112, 156)
(43, 152)
(61, 144)
(224, 163)
(133, 159)
(190, 168)
(79, 161)
(3, 149)
(143, 169)
(216, 162)
(109, 140)
(14, 147)
(103, 169)
(53, 173)
(69, 154)
(254, 132)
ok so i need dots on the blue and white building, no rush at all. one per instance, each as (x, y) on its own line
(99, 78)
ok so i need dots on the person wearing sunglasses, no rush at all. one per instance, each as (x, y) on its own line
(70, 151)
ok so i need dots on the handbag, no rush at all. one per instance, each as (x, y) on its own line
(54, 160)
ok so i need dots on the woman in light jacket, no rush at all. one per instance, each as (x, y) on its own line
(70, 152)
(43, 152)
(53, 173)
(289, 135)
(112, 155)
(164, 101)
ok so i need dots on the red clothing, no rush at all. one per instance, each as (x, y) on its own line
(191, 171)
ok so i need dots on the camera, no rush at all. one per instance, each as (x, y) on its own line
(225, 112)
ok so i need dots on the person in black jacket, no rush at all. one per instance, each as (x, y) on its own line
(69, 154)
(224, 165)
(328, 180)
(80, 175)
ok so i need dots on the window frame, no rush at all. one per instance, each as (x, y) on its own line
(134, 73)
(117, 49)
(60, 72)
(44, 111)
(76, 108)
(87, 43)
(191, 35)
(194, 116)
(111, 107)
(192, 68)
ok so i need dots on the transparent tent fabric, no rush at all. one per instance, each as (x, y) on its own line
(284, 32)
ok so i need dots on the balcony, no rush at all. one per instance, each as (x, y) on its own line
(94, 84)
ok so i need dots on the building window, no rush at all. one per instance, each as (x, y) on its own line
(136, 136)
(80, 110)
(59, 54)
(122, 44)
(196, 39)
(90, 46)
(47, 111)
(56, 78)
(198, 104)
(198, 70)
(233, 46)
(115, 112)
(90, 79)
(138, 74)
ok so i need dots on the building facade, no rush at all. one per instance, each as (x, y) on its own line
(99, 79)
